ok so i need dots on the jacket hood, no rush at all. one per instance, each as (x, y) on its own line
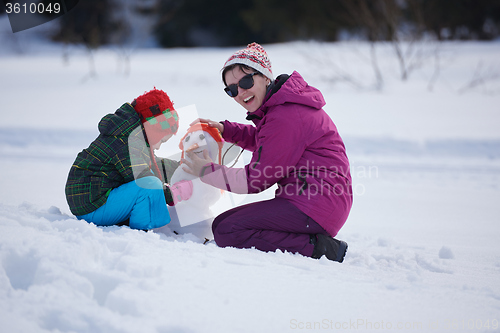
(120, 123)
(289, 89)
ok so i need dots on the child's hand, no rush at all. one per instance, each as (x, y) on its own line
(181, 191)
(196, 164)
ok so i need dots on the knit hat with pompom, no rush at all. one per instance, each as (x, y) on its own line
(157, 114)
(253, 56)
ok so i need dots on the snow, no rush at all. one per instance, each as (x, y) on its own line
(423, 232)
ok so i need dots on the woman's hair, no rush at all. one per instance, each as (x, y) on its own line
(244, 68)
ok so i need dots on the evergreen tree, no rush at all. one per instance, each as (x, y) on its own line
(90, 23)
(202, 23)
(462, 19)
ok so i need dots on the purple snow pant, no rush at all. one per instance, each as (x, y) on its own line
(268, 225)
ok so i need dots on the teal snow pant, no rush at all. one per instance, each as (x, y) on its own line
(142, 202)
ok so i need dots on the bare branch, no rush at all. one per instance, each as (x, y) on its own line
(480, 78)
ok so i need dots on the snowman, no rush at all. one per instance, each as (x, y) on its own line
(194, 215)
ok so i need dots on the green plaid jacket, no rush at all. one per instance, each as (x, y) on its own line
(117, 156)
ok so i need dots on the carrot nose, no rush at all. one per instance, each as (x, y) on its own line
(193, 147)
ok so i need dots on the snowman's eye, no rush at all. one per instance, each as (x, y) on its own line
(202, 137)
(187, 138)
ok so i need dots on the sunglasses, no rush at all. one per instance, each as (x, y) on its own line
(246, 82)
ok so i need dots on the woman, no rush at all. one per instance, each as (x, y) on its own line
(295, 145)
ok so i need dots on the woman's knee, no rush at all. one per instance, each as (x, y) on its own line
(217, 230)
(222, 230)
(231, 231)
(224, 216)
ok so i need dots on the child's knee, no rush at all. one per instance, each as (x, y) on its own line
(150, 183)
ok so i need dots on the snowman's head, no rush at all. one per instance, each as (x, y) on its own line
(200, 137)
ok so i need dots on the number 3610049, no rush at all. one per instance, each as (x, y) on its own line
(33, 8)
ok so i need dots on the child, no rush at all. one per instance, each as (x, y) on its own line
(118, 180)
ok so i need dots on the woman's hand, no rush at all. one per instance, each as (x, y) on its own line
(196, 164)
(210, 123)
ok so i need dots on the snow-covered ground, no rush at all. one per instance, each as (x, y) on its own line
(424, 250)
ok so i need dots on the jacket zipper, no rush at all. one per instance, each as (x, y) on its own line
(258, 158)
(304, 185)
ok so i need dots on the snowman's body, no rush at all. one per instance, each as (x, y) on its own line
(194, 215)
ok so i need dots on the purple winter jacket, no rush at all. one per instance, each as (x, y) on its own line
(295, 145)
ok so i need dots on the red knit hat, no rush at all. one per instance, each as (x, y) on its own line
(214, 133)
(253, 56)
(157, 114)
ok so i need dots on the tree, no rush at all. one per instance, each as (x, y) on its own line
(398, 22)
(90, 23)
(202, 23)
(462, 19)
(285, 20)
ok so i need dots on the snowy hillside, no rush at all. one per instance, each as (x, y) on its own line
(423, 233)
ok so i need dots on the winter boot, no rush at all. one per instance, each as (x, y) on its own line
(332, 248)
